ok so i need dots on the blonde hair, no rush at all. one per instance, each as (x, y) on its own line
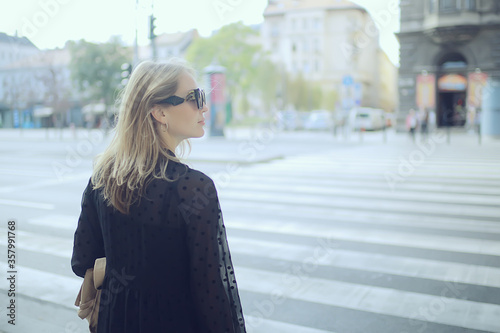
(130, 162)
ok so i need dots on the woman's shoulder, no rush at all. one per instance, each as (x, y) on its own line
(195, 182)
(195, 177)
(180, 173)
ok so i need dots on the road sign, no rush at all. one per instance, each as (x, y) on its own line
(347, 80)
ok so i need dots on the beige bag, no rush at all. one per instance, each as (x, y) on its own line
(90, 294)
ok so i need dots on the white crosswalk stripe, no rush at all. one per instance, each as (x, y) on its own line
(411, 267)
(433, 197)
(445, 243)
(415, 255)
(468, 314)
(259, 324)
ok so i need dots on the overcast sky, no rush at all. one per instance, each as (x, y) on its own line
(50, 23)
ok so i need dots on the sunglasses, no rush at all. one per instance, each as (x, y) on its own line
(197, 95)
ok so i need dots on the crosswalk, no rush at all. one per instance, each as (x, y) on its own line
(350, 240)
(327, 233)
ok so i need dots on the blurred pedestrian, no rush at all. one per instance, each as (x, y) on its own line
(477, 121)
(424, 123)
(157, 221)
(411, 123)
(432, 121)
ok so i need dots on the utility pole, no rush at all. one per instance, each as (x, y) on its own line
(152, 34)
(136, 46)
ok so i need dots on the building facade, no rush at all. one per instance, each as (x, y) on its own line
(36, 89)
(38, 92)
(169, 45)
(35, 86)
(14, 48)
(449, 49)
(333, 42)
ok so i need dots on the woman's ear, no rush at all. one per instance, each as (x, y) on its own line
(159, 114)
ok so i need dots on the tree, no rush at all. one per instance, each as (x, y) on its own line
(250, 72)
(269, 82)
(57, 88)
(18, 93)
(302, 94)
(96, 68)
(232, 48)
(329, 100)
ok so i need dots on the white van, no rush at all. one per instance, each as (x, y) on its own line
(367, 119)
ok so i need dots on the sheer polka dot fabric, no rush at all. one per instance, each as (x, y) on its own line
(169, 268)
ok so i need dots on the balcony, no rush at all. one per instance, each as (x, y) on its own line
(457, 34)
(452, 22)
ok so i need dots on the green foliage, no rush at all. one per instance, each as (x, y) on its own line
(250, 122)
(232, 48)
(329, 100)
(269, 81)
(250, 72)
(304, 95)
(96, 68)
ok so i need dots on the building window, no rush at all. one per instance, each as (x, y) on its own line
(275, 30)
(316, 45)
(405, 3)
(274, 46)
(449, 6)
(317, 24)
(470, 5)
(306, 66)
(317, 66)
(306, 45)
(432, 6)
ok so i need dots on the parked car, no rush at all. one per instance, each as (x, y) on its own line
(289, 120)
(320, 120)
(367, 119)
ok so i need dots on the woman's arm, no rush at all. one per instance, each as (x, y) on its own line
(212, 279)
(88, 242)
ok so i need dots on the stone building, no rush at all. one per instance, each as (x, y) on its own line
(169, 45)
(37, 91)
(13, 49)
(335, 43)
(449, 49)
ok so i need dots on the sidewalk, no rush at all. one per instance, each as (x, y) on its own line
(264, 145)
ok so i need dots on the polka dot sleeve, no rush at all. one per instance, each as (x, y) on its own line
(88, 242)
(212, 279)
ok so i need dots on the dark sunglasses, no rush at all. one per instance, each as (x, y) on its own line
(197, 95)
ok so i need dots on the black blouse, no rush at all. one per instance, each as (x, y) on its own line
(168, 266)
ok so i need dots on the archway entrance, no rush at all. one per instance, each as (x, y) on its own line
(452, 91)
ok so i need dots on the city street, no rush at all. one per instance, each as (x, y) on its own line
(327, 234)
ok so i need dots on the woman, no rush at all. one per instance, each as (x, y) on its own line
(157, 221)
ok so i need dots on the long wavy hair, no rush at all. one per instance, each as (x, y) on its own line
(130, 162)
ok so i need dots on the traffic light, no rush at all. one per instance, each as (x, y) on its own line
(126, 71)
(152, 27)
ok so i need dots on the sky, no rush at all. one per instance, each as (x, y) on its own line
(50, 23)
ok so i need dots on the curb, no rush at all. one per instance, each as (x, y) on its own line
(240, 162)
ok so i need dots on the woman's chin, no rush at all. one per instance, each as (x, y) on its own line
(202, 133)
(198, 134)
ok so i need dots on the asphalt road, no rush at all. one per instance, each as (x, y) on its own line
(328, 234)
